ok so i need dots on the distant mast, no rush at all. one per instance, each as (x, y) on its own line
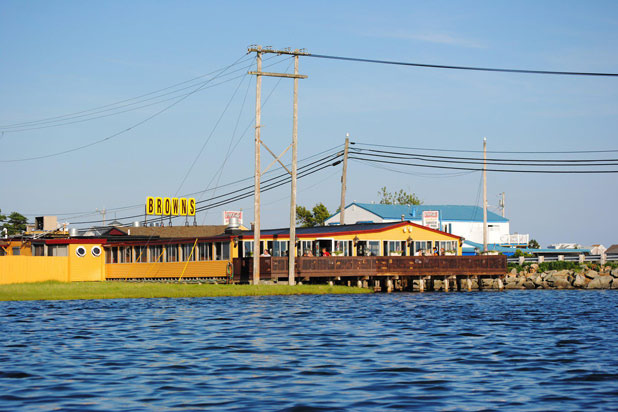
(484, 195)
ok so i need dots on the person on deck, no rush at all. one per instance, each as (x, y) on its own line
(325, 252)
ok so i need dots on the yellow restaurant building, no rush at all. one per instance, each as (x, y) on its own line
(202, 252)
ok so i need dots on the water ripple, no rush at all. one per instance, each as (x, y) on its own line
(510, 351)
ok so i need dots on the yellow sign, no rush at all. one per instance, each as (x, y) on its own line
(170, 206)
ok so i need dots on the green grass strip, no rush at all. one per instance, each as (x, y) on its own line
(131, 290)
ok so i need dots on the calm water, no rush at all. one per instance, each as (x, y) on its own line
(516, 350)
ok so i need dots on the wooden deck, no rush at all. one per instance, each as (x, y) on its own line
(274, 268)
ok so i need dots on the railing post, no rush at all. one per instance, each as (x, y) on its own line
(521, 260)
(561, 258)
(582, 258)
(603, 258)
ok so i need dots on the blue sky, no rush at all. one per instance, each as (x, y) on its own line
(66, 56)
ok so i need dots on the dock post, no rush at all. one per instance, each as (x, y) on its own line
(421, 284)
(359, 283)
(469, 282)
(500, 284)
(389, 285)
(446, 281)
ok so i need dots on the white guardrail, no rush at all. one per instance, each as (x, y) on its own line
(566, 258)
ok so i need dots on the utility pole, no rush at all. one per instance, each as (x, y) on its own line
(259, 143)
(502, 205)
(484, 195)
(257, 172)
(102, 212)
(292, 244)
(343, 179)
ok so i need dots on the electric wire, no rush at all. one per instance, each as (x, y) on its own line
(488, 151)
(120, 105)
(470, 68)
(489, 170)
(480, 161)
(117, 133)
(310, 167)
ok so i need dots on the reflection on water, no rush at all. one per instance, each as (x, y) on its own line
(516, 350)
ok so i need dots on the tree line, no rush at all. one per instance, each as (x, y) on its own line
(14, 223)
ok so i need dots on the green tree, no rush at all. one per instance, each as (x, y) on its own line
(398, 198)
(533, 244)
(14, 224)
(316, 217)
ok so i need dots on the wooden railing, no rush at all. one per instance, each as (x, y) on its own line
(277, 267)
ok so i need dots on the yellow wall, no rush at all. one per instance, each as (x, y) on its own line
(397, 234)
(21, 269)
(88, 267)
(211, 268)
(71, 268)
(24, 248)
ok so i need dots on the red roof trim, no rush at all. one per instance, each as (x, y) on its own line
(73, 241)
(377, 230)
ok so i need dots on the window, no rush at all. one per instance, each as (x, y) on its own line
(16, 251)
(395, 248)
(38, 250)
(188, 252)
(421, 247)
(124, 253)
(280, 248)
(171, 253)
(306, 248)
(342, 248)
(204, 251)
(448, 246)
(222, 250)
(57, 250)
(247, 248)
(140, 254)
(111, 256)
(368, 248)
(156, 253)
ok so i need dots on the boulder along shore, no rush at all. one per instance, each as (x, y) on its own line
(529, 277)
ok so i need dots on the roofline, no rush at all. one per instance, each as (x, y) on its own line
(390, 226)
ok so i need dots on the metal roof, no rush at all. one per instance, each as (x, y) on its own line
(325, 230)
(415, 212)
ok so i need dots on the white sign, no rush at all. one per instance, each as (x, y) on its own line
(227, 214)
(431, 219)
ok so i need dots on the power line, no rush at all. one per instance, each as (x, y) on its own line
(506, 162)
(116, 110)
(489, 170)
(117, 133)
(489, 151)
(279, 180)
(472, 68)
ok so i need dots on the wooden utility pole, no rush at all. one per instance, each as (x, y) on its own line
(292, 244)
(484, 195)
(258, 143)
(503, 205)
(258, 171)
(343, 179)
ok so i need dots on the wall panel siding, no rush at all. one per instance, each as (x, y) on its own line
(215, 268)
(23, 269)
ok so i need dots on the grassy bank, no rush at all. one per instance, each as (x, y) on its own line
(126, 290)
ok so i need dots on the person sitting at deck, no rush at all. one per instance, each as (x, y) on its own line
(325, 252)
(265, 253)
(436, 252)
(308, 253)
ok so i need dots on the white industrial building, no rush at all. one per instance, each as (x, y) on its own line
(460, 220)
